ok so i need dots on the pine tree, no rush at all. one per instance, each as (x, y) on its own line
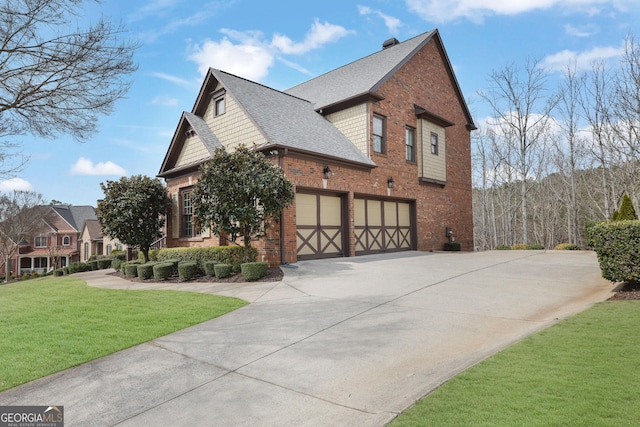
(627, 212)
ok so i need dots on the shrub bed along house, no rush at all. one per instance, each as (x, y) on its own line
(254, 270)
(617, 245)
(232, 255)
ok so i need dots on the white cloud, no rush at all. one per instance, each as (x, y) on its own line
(582, 31)
(250, 55)
(165, 100)
(476, 10)
(87, 167)
(17, 184)
(176, 80)
(582, 60)
(392, 23)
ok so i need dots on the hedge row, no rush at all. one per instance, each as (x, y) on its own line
(617, 245)
(232, 255)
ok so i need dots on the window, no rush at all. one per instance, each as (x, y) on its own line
(66, 241)
(188, 227)
(219, 105)
(410, 143)
(86, 251)
(434, 143)
(40, 263)
(378, 134)
(41, 242)
(108, 249)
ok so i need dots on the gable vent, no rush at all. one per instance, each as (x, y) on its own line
(390, 42)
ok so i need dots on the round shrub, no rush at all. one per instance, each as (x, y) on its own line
(567, 247)
(131, 269)
(145, 271)
(187, 270)
(209, 268)
(254, 270)
(65, 271)
(503, 248)
(223, 270)
(162, 270)
(104, 263)
(58, 272)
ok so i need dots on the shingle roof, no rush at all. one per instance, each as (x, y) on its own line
(210, 141)
(287, 121)
(75, 215)
(94, 229)
(359, 77)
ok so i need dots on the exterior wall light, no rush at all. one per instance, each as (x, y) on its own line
(391, 183)
(327, 172)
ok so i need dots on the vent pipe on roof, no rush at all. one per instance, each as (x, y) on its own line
(390, 42)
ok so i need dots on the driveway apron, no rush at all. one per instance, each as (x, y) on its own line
(349, 341)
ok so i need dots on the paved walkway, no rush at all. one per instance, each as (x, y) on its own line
(348, 342)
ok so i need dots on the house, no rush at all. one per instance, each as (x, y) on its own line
(56, 240)
(378, 151)
(94, 242)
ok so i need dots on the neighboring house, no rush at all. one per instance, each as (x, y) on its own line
(56, 241)
(95, 243)
(378, 151)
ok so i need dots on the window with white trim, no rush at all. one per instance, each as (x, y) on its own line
(410, 144)
(378, 134)
(66, 241)
(41, 242)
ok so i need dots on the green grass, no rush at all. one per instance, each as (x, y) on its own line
(583, 371)
(51, 324)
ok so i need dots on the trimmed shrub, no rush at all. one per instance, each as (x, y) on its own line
(116, 264)
(627, 212)
(78, 267)
(162, 270)
(209, 268)
(566, 247)
(93, 264)
(519, 247)
(223, 270)
(254, 270)
(187, 270)
(174, 262)
(145, 271)
(65, 271)
(503, 248)
(131, 269)
(617, 245)
(57, 273)
(452, 246)
(104, 263)
(535, 247)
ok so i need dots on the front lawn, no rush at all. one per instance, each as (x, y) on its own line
(51, 324)
(580, 372)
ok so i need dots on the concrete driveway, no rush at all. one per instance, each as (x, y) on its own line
(349, 342)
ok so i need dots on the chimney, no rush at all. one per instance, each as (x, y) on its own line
(390, 42)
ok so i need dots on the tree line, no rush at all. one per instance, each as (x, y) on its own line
(550, 160)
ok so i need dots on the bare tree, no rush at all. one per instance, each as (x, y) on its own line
(521, 106)
(54, 79)
(19, 217)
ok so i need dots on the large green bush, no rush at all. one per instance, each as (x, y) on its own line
(618, 247)
(233, 255)
(254, 270)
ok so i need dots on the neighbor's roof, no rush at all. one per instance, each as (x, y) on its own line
(94, 229)
(288, 121)
(75, 215)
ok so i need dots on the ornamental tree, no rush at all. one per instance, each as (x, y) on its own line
(240, 194)
(133, 211)
(627, 212)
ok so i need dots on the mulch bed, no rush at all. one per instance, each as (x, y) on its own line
(273, 275)
(627, 291)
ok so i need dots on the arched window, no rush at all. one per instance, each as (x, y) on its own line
(66, 241)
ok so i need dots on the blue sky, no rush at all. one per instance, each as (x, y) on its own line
(280, 45)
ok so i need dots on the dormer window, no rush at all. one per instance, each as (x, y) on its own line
(219, 104)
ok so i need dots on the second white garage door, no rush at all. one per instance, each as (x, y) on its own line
(382, 226)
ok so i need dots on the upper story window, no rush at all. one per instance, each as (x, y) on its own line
(219, 104)
(410, 144)
(41, 242)
(66, 241)
(434, 143)
(379, 140)
(188, 228)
